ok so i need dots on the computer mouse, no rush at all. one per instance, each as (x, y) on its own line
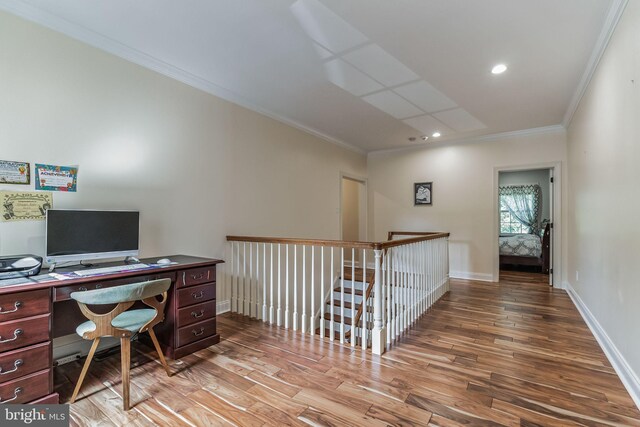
(163, 261)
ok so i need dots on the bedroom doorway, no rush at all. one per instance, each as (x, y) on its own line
(526, 220)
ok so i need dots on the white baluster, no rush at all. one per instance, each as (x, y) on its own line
(245, 303)
(234, 289)
(353, 297)
(331, 322)
(304, 289)
(264, 282)
(322, 295)
(279, 312)
(295, 287)
(271, 284)
(250, 298)
(389, 326)
(365, 312)
(257, 288)
(312, 314)
(286, 306)
(342, 332)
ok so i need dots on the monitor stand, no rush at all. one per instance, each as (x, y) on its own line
(52, 267)
(131, 260)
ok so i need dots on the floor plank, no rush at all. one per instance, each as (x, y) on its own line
(510, 353)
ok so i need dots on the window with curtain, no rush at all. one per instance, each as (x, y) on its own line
(520, 207)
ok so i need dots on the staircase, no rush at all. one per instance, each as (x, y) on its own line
(355, 291)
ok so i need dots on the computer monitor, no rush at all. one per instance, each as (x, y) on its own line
(76, 235)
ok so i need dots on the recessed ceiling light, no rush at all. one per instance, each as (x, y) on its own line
(499, 69)
(436, 134)
(424, 137)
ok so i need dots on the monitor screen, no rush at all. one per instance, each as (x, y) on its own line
(88, 234)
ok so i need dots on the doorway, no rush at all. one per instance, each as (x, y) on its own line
(527, 222)
(353, 211)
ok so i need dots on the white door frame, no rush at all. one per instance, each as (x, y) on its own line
(366, 203)
(556, 220)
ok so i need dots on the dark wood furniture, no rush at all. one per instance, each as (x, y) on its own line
(35, 310)
(543, 261)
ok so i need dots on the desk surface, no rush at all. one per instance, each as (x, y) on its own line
(48, 281)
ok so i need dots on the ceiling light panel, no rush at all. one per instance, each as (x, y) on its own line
(393, 104)
(427, 125)
(322, 52)
(380, 65)
(425, 96)
(459, 120)
(348, 78)
(325, 27)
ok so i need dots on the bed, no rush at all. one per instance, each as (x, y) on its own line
(526, 249)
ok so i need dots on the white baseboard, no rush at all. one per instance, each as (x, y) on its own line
(468, 275)
(628, 377)
(223, 306)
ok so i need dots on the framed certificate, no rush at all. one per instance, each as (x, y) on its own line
(56, 178)
(15, 172)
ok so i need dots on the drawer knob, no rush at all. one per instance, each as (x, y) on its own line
(82, 288)
(16, 392)
(197, 276)
(197, 315)
(197, 334)
(99, 285)
(16, 365)
(16, 307)
(198, 295)
(16, 334)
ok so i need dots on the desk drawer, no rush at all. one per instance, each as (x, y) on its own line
(196, 294)
(24, 304)
(23, 332)
(196, 313)
(26, 389)
(62, 293)
(196, 332)
(196, 276)
(17, 363)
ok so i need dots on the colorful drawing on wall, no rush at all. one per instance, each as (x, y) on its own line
(422, 193)
(56, 178)
(15, 172)
(22, 206)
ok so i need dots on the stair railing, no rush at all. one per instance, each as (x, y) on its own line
(377, 290)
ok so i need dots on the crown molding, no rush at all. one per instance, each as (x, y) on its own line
(474, 139)
(127, 53)
(611, 22)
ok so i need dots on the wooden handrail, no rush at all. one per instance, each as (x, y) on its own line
(422, 236)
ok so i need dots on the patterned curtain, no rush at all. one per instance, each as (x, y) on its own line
(524, 202)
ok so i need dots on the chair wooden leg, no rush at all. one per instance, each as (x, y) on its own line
(125, 355)
(160, 355)
(85, 368)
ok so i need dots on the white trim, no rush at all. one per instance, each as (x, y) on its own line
(223, 306)
(628, 377)
(474, 139)
(118, 49)
(556, 220)
(611, 22)
(468, 275)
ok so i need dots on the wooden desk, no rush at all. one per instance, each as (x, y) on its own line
(35, 310)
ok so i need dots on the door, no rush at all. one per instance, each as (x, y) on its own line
(353, 212)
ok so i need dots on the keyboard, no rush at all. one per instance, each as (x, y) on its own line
(114, 269)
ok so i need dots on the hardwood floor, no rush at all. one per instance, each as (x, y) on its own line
(513, 353)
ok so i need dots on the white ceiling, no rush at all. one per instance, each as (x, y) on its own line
(366, 73)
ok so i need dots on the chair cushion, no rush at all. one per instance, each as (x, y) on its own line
(131, 320)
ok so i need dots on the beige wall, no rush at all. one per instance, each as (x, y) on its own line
(463, 192)
(350, 210)
(604, 195)
(197, 167)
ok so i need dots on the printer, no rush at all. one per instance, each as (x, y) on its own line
(19, 266)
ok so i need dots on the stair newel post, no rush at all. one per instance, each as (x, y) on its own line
(342, 295)
(446, 264)
(378, 335)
